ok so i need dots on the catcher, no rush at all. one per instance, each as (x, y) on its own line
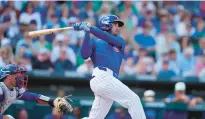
(14, 85)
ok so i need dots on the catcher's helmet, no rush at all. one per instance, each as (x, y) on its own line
(106, 22)
(21, 79)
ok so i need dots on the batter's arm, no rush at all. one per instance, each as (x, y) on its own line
(87, 46)
(114, 40)
(40, 99)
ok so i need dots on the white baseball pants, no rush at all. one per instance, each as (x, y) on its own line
(107, 89)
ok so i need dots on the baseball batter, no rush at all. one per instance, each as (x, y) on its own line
(106, 54)
(13, 87)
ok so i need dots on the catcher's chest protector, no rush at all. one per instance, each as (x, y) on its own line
(9, 97)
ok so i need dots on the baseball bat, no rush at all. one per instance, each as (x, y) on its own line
(48, 31)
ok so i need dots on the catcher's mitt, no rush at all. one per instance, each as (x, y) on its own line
(62, 105)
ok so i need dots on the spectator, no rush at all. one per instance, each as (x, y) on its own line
(179, 14)
(128, 51)
(119, 113)
(23, 114)
(164, 56)
(149, 96)
(43, 61)
(6, 56)
(152, 29)
(165, 73)
(11, 29)
(141, 54)
(5, 41)
(65, 14)
(29, 15)
(180, 96)
(201, 50)
(33, 25)
(145, 66)
(60, 43)
(184, 42)
(187, 62)
(163, 20)
(9, 9)
(145, 5)
(166, 43)
(55, 115)
(147, 14)
(173, 62)
(26, 61)
(161, 42)
(87, 67)
(129, 66)
(181, 27)
(200, 65)
(171, 43)
(21, 52)
(40, 44)
(141, 68)
(144, 39)
(63, 63)
(27, 42)
(53, 22)
(200, 30)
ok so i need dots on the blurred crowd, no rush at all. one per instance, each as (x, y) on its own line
(164, 39)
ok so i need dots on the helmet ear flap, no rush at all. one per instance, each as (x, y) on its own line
(108, 27)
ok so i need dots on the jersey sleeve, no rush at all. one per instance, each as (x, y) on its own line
(87, 46)
(114, 40)
(28, 96)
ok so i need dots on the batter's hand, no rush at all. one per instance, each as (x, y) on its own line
(81, 26)
(62, 105)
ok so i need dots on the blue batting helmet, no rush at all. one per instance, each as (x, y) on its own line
(106, 22)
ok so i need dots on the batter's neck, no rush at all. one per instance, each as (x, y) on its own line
(8, 85)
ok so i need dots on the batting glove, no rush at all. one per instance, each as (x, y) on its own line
(81, 26)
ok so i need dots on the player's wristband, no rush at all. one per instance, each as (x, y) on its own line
(46, 99)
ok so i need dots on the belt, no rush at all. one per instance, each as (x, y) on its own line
(105, 69)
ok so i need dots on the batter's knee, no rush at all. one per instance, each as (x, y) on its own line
(135, 98)
(132, 101)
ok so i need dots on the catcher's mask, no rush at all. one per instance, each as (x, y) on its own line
(21, 78)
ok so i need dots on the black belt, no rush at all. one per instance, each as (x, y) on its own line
(105, 69)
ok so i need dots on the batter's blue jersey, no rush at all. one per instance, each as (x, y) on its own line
(106, 51)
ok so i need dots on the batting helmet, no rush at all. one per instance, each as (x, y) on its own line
(21, 79)
(106, 22)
